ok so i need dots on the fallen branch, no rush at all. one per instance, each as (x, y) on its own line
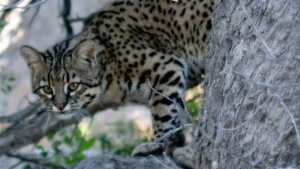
(113, 162)
(22, 114)
(30, 158)
(30, 125)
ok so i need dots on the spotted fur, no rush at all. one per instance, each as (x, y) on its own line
(146, 51)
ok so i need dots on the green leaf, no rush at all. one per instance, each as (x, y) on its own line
(87, 144)
(42, 150)
(27, 166)
(105, 142)
(2, 24)
(78, 134)
(74, 158)
(55, 147)
(67, 140)
(193, 108)
(50, 135)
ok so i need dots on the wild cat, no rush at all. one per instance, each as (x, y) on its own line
(146, 51)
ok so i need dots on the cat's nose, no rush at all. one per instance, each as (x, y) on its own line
(61, 106)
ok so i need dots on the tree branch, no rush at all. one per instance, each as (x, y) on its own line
(65, 14)
(113, 162)
(30, 125)
(35, 160)
(12, 6)
(22, 114)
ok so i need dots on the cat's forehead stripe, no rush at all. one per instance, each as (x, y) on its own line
(58, 75)
(58, 52)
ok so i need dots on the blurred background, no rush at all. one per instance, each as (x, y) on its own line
(39, 23)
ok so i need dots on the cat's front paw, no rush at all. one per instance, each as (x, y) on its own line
(184, 156)
(148, 148)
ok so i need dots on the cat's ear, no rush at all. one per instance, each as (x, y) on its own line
(32, 57)
(86, 52)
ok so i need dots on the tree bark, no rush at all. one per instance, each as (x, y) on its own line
(251, 116)
(117, 162)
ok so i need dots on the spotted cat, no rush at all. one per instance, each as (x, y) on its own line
(146, 51)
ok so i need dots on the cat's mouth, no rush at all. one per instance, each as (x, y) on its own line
(65, 113)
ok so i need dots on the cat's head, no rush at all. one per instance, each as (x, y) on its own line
(65, 79)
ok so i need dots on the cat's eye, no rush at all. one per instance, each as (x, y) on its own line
(47, 90)
(73, 86)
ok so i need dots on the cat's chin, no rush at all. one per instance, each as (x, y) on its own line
(64, 116)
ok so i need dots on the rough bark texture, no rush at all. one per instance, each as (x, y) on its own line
(251, 116)
(116, 162)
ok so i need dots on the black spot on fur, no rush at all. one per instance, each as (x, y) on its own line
(155, 66)
(164, 101)
(167, 77)
(163, 118)
(144, 76)
(208, 25)
(152, 54)
(174, 82)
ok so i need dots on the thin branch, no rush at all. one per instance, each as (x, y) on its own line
(16, 165)
(15, 6)
(36, 12)
(65, 14)
(22, 114)
(35, 160)
(78, 19)
(32, 129)
(5, 12)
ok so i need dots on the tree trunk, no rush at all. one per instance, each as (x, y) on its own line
(251, 116)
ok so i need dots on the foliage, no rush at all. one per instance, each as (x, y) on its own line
(2, 24)
(123, 140)
(6, 80)
(193, 108)
(194, 103)
(70, 146)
